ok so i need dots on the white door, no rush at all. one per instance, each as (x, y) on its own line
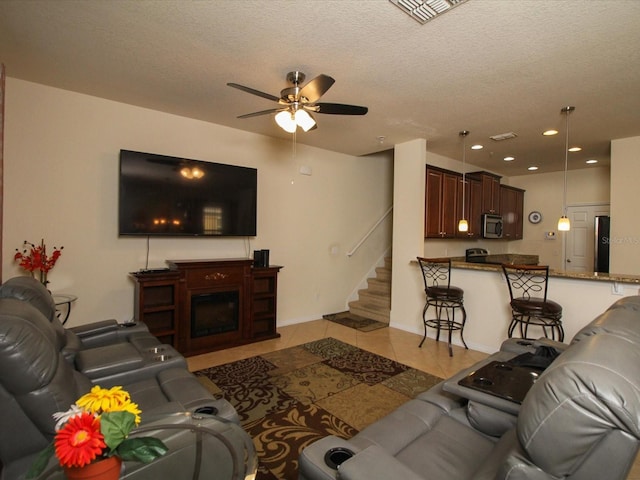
(580, 240)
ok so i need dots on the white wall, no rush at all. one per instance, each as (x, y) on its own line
(625, 214)
(61, 183)
(408, 232)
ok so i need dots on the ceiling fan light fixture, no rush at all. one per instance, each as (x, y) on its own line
(304, 120)
(286, 121)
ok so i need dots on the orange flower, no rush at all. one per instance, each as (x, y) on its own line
(79, 442)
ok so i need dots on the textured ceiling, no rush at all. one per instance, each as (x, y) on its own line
(488, 66)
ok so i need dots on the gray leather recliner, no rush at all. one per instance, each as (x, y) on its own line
(37, 381)
(106, 353)
(90, 335)
(580, 421)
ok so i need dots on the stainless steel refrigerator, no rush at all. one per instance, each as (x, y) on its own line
(602, 239)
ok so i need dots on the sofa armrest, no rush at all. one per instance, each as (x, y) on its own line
(451, 385)
(95, 328)
(375, 462)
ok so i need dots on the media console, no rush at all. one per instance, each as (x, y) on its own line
(200, 306)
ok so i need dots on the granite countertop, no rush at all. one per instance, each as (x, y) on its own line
(458, 262)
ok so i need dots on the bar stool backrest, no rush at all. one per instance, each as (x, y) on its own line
(527, 281)
(436, 272)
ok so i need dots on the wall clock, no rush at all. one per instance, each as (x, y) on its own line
(535, 217)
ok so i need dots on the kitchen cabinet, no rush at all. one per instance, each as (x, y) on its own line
(441, 201)
(490, 191)
(512, 210)
(472, 208)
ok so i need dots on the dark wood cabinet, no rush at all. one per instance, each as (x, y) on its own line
(156, 304)
(512, 210)
(203, 305)
(472, 206)
(483, 193)
(490, 191)
(441, 201)
(264, 301)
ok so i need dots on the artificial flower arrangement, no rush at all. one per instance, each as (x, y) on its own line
(34, 258)
(97, 427)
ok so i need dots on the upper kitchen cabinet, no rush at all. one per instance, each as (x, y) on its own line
(512, 210)
(472, 206)
(490, 191)
(441, 199)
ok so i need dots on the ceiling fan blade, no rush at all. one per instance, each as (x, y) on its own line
(317, 87)
(340, 109)
(262, 112)
(253, 91)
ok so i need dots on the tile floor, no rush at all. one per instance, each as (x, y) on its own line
(401, 346)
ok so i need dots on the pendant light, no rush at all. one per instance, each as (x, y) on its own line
(564, 225)
(463, 225)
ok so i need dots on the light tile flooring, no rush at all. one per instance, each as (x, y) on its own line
(392, 343)
(396, 344)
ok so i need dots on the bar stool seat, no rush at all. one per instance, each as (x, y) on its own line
(528, 285)
(444, 297)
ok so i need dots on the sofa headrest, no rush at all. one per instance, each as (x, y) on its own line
(30, 290)
(590, 393)
(621, 319)
(28, 349)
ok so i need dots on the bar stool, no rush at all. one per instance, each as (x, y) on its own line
(528, 286)
(445, 298)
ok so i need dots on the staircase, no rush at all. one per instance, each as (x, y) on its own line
(374, 302)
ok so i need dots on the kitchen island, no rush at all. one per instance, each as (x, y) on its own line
(583, 295)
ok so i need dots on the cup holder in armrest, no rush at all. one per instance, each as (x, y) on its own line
(482, 382)
(162, 358)
(207, 410)
(337, 456)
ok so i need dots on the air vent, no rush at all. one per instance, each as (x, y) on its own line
(503, 136)
(424, 10)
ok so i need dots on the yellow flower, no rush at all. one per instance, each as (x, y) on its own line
(115, 399)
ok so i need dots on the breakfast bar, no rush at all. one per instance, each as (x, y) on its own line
(487, 298)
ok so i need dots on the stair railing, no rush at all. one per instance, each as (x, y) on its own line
(368, 234)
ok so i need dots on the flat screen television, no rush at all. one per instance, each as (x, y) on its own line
(170, 196)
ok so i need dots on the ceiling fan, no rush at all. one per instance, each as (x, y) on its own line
(297, 102)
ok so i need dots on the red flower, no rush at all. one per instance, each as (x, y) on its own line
(79, 442)
(35, 258)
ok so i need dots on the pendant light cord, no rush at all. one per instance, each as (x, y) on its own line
(566, 160)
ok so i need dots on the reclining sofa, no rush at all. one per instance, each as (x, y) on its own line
(39, 377)
(577, 418)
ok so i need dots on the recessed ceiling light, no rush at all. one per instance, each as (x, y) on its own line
(575, 149)
(532, 168)
(593, 160)
(549, 133)
(476, 147)
(509, 159)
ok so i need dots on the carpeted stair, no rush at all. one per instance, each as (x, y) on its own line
(374, 302)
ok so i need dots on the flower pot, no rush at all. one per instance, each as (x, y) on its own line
(107, 469)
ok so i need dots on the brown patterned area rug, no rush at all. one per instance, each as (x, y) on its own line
(290, 398)
(348, 319)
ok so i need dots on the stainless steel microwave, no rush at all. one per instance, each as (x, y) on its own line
(491, 226)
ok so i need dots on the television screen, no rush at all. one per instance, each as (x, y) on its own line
(161, 195)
